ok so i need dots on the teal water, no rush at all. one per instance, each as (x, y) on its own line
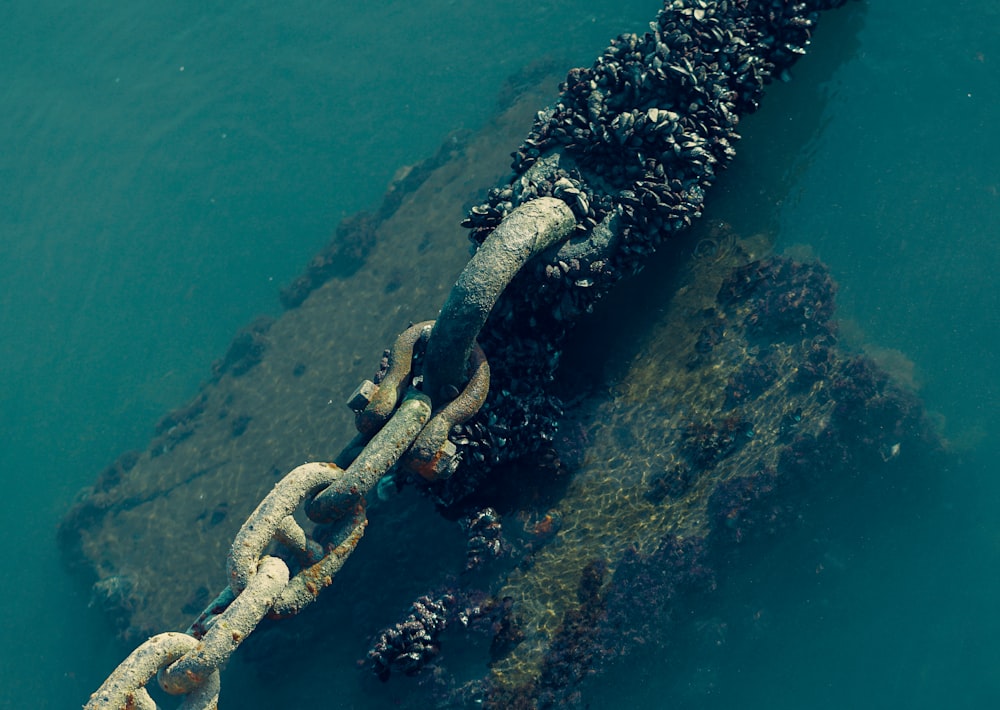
(165, 171)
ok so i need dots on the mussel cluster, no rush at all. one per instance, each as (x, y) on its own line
(484, 532)
(646, 128)
(411, 643)
(631, 145)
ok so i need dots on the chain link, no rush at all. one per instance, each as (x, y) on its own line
(528, 230)
(374, 460)
(432, 455)
(374, 404)
(126, 686)
(197, 665)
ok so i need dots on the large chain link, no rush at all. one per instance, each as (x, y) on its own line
(126, 686)
(525, 232)
(396, 427)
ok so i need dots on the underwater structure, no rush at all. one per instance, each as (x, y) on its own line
(568, 527)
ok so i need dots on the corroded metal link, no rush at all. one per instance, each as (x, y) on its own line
(195, 667)
(380, 455)
(205, 696)
(394, 383)
(293, 537)
(200, 626)
(528, 230)
(431, 455)
(305, 586)
(126, 686)
(259, 529)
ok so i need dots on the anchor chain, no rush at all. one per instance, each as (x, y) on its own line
(400, 427)
(623, 160)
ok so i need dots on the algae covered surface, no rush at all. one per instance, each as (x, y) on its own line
(739, 422)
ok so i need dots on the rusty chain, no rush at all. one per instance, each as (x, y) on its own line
(396, 428)
(621, 161)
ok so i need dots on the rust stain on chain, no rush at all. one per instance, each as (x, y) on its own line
(315, 577)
